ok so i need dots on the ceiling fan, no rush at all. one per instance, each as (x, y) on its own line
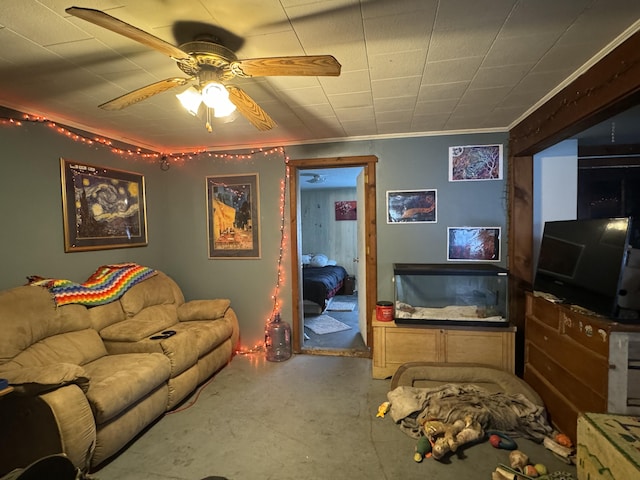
(315, 177)
(211, 66)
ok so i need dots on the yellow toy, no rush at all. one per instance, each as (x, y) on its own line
(383, 409)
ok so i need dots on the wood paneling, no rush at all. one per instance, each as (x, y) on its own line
(611, 86)
(608, 87)
(322, 233)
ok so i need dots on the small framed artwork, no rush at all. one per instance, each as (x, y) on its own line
(412, 206)
(475, 162)
(473, 244)
(346, 210)
(233, 216)
(102, 207)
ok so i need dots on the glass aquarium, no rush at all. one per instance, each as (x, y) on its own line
(450, 294)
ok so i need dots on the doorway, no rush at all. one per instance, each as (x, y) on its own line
(356, 253)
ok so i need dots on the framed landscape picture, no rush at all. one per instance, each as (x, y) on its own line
(233, 216)
(102, 207)
(475, 162)
(473, 244)
(411, 206)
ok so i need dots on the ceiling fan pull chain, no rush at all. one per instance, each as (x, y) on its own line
(208, 124)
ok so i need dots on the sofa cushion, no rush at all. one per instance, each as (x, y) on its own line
(77, 348)
(175, 288)
(104, 315)
(29, 315)
(144, 324)
(119, 381)
(153, 291)
(208, 333)
(203, 309)
(177, 348)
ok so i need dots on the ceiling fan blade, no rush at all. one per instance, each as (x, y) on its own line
(105, 20)
(250, 109)
(306, 65)
(143, 93)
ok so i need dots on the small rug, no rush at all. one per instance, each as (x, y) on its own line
(325, 324)
(339, 306)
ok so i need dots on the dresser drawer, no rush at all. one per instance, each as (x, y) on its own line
(586, 366)
(544, 311)
(587, 331)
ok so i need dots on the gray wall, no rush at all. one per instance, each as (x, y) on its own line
(422, 163)
(31, 241)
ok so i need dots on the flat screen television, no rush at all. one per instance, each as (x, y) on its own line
(582, 262)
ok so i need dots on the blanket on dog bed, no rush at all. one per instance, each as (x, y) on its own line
(513, 414)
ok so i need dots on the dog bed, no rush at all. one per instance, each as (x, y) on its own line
(429, 375)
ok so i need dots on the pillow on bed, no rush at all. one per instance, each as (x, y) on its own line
(305, 259)
(331, 262)
(319, 260)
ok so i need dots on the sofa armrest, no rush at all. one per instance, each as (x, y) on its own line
(37, 380)
(59, 421)
(203, 309)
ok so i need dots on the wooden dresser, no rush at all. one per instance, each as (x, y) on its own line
(578, 362)
(395, 345)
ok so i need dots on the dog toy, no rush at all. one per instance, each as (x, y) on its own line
(447, 437)
(563, 440)
(500, 440)
(423, 449)
(518, 460)
(383, 409)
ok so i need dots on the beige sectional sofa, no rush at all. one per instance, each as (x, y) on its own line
(88, 380)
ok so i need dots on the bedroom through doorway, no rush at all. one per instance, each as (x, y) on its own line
(329, 245)
(330, 259)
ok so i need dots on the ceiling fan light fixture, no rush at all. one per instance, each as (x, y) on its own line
(216, 96)
(223, 108)
(190, 100)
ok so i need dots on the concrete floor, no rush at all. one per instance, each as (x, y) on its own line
(310, 417)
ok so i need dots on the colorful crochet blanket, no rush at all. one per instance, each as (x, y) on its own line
(106, 284)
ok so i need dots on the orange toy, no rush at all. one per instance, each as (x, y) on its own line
(563, 440)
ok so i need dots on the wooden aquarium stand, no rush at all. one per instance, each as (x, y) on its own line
(395, 345)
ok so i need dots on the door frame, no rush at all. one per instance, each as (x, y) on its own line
(368, 162)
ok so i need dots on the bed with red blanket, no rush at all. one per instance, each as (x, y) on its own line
(320, 284)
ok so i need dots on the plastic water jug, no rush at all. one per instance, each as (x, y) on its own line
(278, 340)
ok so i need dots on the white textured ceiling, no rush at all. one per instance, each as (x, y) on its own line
(409, 67)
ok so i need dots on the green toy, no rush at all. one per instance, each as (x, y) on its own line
(423, 448)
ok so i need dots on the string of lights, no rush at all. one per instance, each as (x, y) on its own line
(166, 160)
(259, 347)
